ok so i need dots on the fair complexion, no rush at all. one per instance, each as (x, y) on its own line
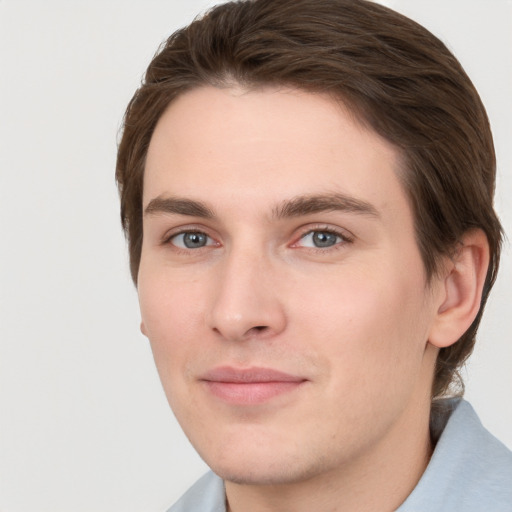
(286, 301)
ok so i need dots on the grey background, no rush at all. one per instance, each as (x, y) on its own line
(84, 424)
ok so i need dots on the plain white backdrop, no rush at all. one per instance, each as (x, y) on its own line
(84, 424)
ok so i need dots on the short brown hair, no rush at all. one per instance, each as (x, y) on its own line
(394, 75)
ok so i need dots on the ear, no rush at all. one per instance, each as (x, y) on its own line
(143, 329)
(461, 289)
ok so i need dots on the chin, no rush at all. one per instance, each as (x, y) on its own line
(262, 476)
(271, 466)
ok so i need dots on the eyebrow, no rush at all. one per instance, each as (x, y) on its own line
(296, 207)
(179, 206)
(307, 205)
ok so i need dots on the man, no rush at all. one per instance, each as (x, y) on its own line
(307, 188)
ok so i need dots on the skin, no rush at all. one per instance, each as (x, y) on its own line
(352, 319)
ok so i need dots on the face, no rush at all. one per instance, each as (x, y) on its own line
(280, 284)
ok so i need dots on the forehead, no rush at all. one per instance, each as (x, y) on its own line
(259, 146)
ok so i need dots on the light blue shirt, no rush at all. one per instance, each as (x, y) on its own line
(470, 471)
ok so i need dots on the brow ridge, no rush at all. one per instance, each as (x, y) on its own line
(296, 207)
(179, 206)
(311, 204)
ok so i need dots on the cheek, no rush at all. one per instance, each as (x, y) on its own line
(366, 327)
(171, 316)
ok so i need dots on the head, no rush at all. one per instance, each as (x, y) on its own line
(305, 186)
(394, 77)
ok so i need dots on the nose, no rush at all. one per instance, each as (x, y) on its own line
(246, 300)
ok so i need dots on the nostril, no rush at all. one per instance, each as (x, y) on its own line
(260, 327)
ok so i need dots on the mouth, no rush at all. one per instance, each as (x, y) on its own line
(249, 386)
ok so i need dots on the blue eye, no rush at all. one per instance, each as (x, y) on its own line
(320, 239)
(191, 240)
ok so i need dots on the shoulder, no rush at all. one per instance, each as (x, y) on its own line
(485, 463)
(206, 495)
(470, 469)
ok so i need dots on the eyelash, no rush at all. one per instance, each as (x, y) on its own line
(167, 240)
(343, 235)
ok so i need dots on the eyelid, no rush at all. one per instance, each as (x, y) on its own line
(345, 235)
(190, 228)
(182, 246)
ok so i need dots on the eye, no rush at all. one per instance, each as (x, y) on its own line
(320, 239)
(191, 240)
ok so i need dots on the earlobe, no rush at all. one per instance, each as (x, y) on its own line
(143, 329)
(461, 289)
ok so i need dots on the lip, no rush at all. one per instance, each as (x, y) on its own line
(249, 386)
